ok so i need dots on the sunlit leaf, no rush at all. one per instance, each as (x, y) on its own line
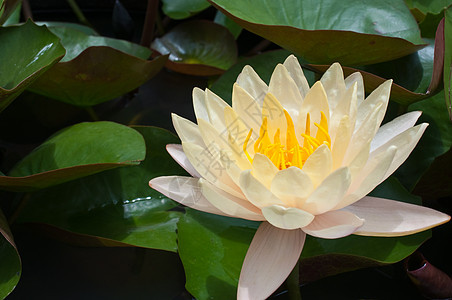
(181, 9)
(26, 52)
(198, 48)
(115, 207)
(358, 33)
(9, 260)
(213, 271)
(96, 69)
(74, 152)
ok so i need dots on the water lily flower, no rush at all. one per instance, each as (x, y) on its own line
(300, 159)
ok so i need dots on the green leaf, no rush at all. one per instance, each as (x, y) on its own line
(9, 260)
(213, 271)
(448, 60)
(263, 64)
(80, 150)
(85, 29)
(76, 41)
(26, 52)
(198, 48)
(14, 17)
(358, 33)
(436, 140)
(96, 69)
(234, 28)
(116, 207)
(181, 9)
(428, 6)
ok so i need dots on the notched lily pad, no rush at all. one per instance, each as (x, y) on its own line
(80, 150)
(427, 64)
(325, 32)
(9, 260)
(115, 207)
(198, 48)
(96, 69)
(26, 52)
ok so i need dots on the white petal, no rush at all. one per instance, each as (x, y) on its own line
(210, 167)
(256, 192)
(287, 218)
(394, 128)
(252, 83)
(293, 67)
(329, 193)
(405, 143)
(215, 108)
(229, 204)
(315, 102)
(345, 107)
(248, 109)
(319, 164)
(358, 79)
(184, 190)
(333, 82)
(292, 186)
(371, 175)
(285, 90)
(378, 96)
(273, 110)
(333, 225)
(341, 142)
(187, 130)
(384, 217)
(271, 257)
(263, 169)
(237, 130)
(177, 153)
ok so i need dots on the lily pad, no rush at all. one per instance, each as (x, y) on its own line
(96, 69)
(115, 207)
(181, 9)
(9, 260)
(431, 6)
(198, 48)
(328, 31)
(234, 28)
(80, 150)
(7, 8)
(212, 272)
(26, 52)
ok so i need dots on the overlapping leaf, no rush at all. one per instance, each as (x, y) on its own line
(115, 207)
(96, 69)
(9, 260)
(26, 52)
(213, 272)
(358, 33)
(181, 9)
(198, 48)
(74, 152)
(7, 7)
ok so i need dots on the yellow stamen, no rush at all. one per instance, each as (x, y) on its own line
(291, 154)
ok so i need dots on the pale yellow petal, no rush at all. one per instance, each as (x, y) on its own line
(284, 88)
(184, 190)
(315, 102)
(263, 169)
(229, 204)
(248, 109)
(293, 67)
(287, 217)
(345, 107)
(333, 82)
(329, 193)
(252, 83)
(319, 164)
(274, 112)
(333, 225)
(384, 217)
(358, 79)
(292, 186)
(177, 153)
(256, 192)
(199, 104)
(270, 258)
(187, 130)
(394, 128)
(341, 142)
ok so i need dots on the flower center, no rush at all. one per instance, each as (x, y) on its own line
(292, 153)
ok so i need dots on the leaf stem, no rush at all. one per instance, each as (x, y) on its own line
(149, 23)
(78, 12)
(92, 113)
(293, 283)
